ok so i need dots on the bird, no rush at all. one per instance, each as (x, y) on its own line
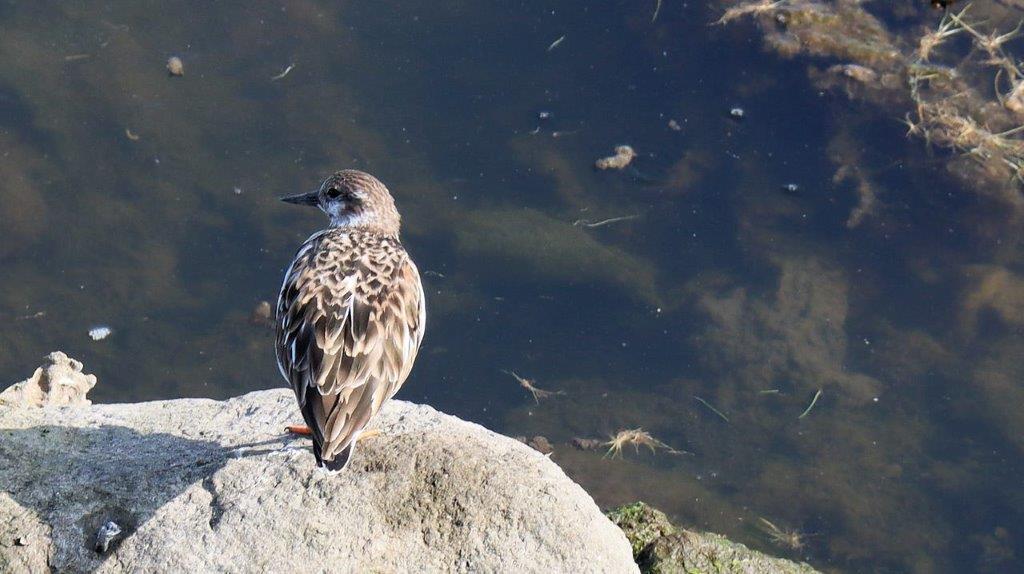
(351, 314)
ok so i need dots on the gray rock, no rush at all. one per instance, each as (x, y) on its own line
(59, 383)
(199, 485)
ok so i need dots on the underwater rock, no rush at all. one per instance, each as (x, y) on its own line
(538, 443)
(588, 443)
(198, 485)
(61, 383)
(660, 547)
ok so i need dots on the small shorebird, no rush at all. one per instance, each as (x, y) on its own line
(350, 316)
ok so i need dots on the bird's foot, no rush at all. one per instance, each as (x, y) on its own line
(299, 430)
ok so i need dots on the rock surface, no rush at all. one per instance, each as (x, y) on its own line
(197, 485)
(60, 383)
(661, 548)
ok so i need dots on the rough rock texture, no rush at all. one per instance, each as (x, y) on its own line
(199, 485)
(661, 548)
(60, 383)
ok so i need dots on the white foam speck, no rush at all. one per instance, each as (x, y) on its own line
(99, 333)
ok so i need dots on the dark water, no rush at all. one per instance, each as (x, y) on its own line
(723, 286)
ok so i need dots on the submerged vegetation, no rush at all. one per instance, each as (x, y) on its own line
(965, 96)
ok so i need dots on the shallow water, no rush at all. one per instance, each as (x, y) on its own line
(147, 203)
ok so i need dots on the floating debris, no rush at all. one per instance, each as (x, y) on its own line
(543, 115)
(586, 223)
(556, 43)
(789, 539)
(175, 66)
(105, 535)
(674, 126)
(807, 411)
(624, 155)
(283, 73)
(791, 188)
(529, 385)
(132, 136)
(713, 409)
(100, 332)
(76, 57)
(737, 113)
(36, 315)
(637, 437)
(657, 9)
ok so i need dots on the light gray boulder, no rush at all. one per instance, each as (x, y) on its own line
(198, 485)
(59, 383)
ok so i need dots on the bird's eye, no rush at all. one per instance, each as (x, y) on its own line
(333, 193)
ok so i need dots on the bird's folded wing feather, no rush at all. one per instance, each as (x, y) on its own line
(350, 335)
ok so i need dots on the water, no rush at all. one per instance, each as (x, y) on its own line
(725, 286)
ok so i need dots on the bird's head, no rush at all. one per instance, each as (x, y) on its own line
(356, 199)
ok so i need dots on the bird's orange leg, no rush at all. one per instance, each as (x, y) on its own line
(299, 430)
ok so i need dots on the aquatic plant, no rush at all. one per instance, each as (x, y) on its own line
(965, 107)
(790, 539)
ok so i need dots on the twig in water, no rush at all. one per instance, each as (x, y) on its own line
(529, 385)
(586, 223)
(657, 8)
(283, 74)
(768, 392)
(713, 409)
(817, 395)
(556, 43)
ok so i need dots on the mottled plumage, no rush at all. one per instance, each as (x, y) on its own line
(350, 316)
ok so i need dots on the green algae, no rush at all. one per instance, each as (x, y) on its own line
(659, 547)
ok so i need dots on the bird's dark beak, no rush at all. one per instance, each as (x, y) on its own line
(311, 198)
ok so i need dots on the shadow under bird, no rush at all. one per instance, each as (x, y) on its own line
(351, 314)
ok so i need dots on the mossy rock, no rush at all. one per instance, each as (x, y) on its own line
(659, 547)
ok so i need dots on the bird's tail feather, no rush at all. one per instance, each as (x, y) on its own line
(340, 460)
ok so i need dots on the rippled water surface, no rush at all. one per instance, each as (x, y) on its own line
(147, 203)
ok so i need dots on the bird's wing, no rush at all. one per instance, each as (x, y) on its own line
(348, 333)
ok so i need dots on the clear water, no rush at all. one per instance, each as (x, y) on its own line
(722, 286)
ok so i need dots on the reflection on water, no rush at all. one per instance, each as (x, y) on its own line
(147, 203)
